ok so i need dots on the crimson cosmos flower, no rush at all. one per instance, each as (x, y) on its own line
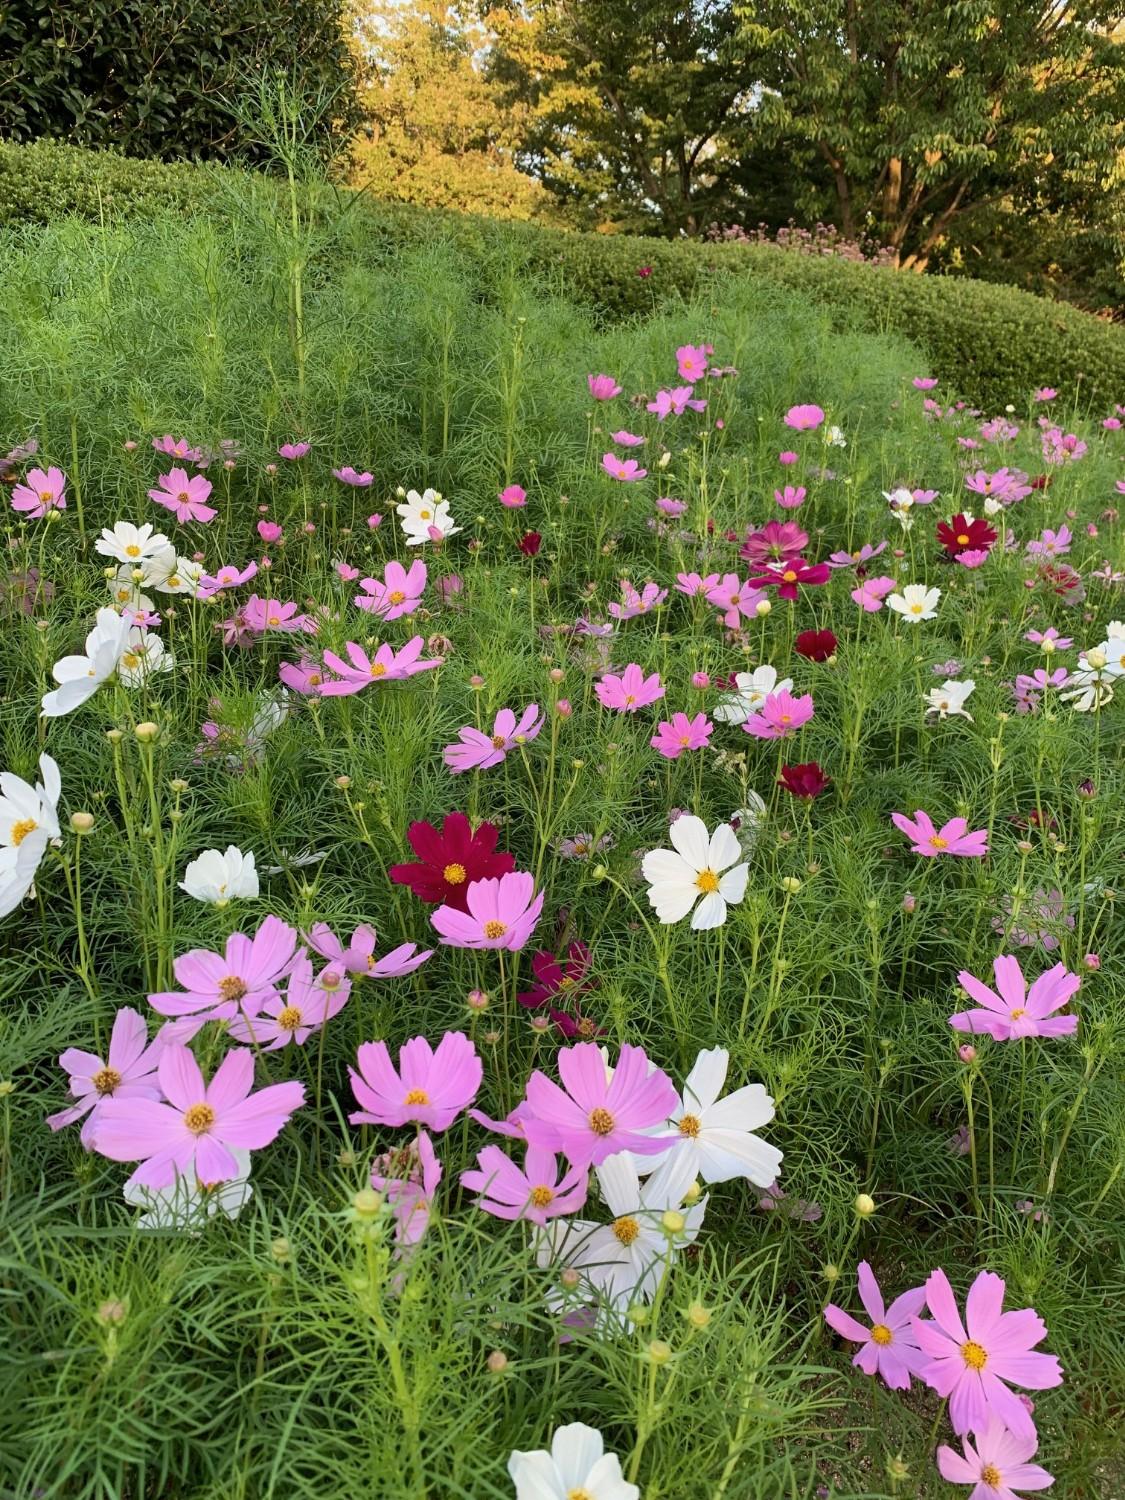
(786, 577)
(559, 979)
(817, 645)
(530, 543)
(961, 535)
(806, 780)
(451, 860)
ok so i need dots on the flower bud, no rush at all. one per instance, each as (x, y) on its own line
(967, 1053)
(762, 608)
(81, 822)
(112, 1312)
(659, 1352)
(864, 1205)
(146, 732)
(1092, 962)
(476, 1000)
(831, 1273)
(343, 782)
(569, 1278)
(672, 1222)
(556, 674)
(367, 1203)
(497, 1362)
(698, 1315)
(790, 885)
(281, 1250)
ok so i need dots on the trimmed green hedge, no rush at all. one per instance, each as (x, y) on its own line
(991, 344)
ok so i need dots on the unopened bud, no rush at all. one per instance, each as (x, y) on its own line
(659, 1352)
(146, 732)
(81, 822)
(497, 1362)
(698, 1315)
(672, 1221)
(367, 1203)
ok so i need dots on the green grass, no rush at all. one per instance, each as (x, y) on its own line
(252, 1361)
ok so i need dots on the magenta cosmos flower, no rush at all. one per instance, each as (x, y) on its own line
(972, 1362)
(193, 1134)
(502, 913)
(779, 715)
(996, 1465)
(177, 448)
(630, 691)
(602, 387)
(387, 665)
(348, 475)
(627, 469)
(804, 418)
(889, 1348)
(513, 496)
(128, 1072)
(397, 593)
(219, 986)
(674, 736)
(308, 1003)
(776, 542)
(358, 957)
(40, 492)
(477, 751)
(429, 1088)
(1012, 1011)
(951, 838)
(597, 1113)
(537, 1192)
(788, 576)
(184, 496)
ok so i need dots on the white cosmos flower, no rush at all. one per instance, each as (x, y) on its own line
(752, 688)
(915, 603)
(677, 878)
(134, 546)
(1090, 685)
(576, 1466)
(182, 578)
(187, 1204)
(28, 822)
(219, 878)
(1115, 630)
(750, 819)
(19, 864)
(126, 589)
(79, 677)
(949, 700)
(143, 658)
(1113, 650)
(422, 512)
(835, 438)
(992, 506)
(900, 499)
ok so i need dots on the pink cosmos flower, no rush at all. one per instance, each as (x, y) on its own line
(269, 531)
(40, 492)
(691, 361)
(857, 558)
(293, 450)
(477, 751)
(803, 418)
(513, 496)
(594, 1115)
(129, 1072)
(625, 439)
(308, 1003)
(1045, 393)
(538, 1192)
(669, 507)
(777, 541)
(348, 475)
(1061, 448)
(408, 1181)
(227, 577)
(193, 1133)
(303, 677)
(872, 593)
(972, 557)
(429, 1088)
(734, 600)
(602, 387)
(951, 838)
(260, 615)
(680, 733)
(787, 577)
(791, 496)
(503, 912)
(387, 665)
(1051, 543)
(177, 448)
(627, 469)
(398, 593)
(889, 1347)
(788, 458)
(634, 603)
(923, 383)
(996, 1465)
(779, 715)
(1049, 639)
(358, 958)
(1012, 1011)
(241, 979)
(693, 585)
(972, 1362)
(630, 691)
(1006, 485)
(346, 572)
(675, 402)
(184, 496)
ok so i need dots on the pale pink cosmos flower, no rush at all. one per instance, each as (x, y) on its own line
(230, 576)
(625, 439)
(1051, 543)
(691, 361)
(923, 383)
(602, 387)
(634, 603)
(193, 1134)
(218, 986)
(856, 558)
(128, 1072)
(889, 1347)
(734, 599)
(177, 448)
(692, 584)
(293, 450)
(596, 1114)
(408, 1179)
(780, 714)
(791, 497)
(871, 593)
(804, 418)
(675, 402)
(1045, 393)
(387, 665)
(1049, 640)
(1012, 1011)
(260, 615)
(972, 1362)
(627, 469)
(358, 956)
(996, 1465)
(680, 733)
(629, 692)
(184, 496)
(429, 1087)
(397, 593)
(502, 913)
(669, 507)
(1004, 485)
(348, 475)
(477, 751)
(309, 1002)
(538, 1191)
(972, 557)
(951, 838)
(303, 677)
(40, 492)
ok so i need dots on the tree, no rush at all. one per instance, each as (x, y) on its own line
(161, 77)
(436, 130)
(924, 114)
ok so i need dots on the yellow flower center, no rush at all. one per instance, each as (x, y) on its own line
(626, 1229)
(974, 1355)
(690, 1125)
(789, 576)
(499, 741)
(377, 669)
(579, 1494)
(425, 515)
(131, 660)
(541, 1195)
(105, 1080)
(856, 556)
(937, 842)
(963, 539)
(1018, 1012)
(199, 1118)
(495, 929)
(684, 740)
(21, 830)
(417, 1096)
(396, 596)
(47, 496)
(991, 1476)
(707, 881)
(132, 550)
(786, 718)
(233, 988)
(601, 1121)
(881, 1334)
(734, 598)
(183, 497)
(915, 609)
(273, 620)
(453, 874)
(290, 1018)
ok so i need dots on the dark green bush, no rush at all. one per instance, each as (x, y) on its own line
(989, 344)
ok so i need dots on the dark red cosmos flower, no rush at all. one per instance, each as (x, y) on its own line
(787, 576)
(559, 980)
(817, 645)
(644, 272)
(806, 780)
(1040, 482)
(530, 543)
(451, 860)
(577, 1027)
(962, 535)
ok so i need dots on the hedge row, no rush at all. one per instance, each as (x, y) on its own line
(992, 344)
